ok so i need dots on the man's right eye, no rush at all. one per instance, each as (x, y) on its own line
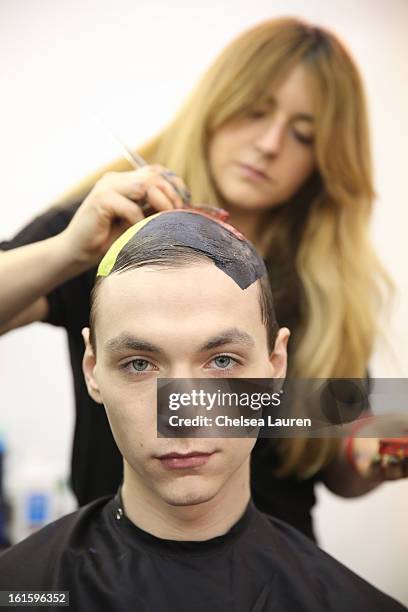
(138, 366)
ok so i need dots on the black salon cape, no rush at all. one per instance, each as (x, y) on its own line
(110, 565)
(96, 465)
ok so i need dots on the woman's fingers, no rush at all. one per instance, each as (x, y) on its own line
(162, 197)
(364, 452)
(118, 207)
(136, 185)
(179, 184)
(370, 462)
(116, 202)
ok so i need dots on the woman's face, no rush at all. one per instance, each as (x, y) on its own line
(261, 159)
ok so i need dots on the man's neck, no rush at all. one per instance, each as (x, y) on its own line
(197, 522)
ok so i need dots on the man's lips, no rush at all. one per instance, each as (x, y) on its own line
(173, 461)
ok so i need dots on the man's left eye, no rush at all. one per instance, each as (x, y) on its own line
(223, 362)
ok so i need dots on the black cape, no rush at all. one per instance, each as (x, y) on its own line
(110, 565)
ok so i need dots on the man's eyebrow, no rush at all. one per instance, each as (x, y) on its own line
(229, 336)
(125, 342)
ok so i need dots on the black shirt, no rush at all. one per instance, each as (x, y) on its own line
(108, 564)
(96, 465)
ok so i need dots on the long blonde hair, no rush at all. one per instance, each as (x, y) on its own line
(341, 282)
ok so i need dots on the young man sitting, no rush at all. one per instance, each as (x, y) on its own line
(181, 295)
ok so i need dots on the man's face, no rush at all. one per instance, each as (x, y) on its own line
(190, 322)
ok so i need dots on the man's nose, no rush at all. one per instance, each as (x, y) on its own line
(270, 140)
(182, 370)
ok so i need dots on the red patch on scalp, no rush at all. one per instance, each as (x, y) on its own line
(219, 215)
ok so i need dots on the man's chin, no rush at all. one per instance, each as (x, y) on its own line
(188, 498)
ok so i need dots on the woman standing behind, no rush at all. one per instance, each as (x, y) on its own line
(276, 133)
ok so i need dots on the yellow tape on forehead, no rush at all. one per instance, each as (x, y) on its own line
(109, 259)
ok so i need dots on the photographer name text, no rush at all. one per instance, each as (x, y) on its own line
(227, 421)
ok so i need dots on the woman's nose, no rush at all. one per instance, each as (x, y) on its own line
(270, 140)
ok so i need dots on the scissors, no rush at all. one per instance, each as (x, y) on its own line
(137, 161)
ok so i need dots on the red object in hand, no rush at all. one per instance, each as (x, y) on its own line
(398, 447)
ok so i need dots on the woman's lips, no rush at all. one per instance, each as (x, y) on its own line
(176, 461)
(253, 173)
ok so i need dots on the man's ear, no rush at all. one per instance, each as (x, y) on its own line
(88, 368)
(278, 357)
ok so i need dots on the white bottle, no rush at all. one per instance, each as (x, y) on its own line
(33, 498)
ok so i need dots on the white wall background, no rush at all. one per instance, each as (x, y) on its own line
(64, 61)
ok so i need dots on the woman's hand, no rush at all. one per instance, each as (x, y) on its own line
(370, 458)
(114, 204)
(364, 463)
